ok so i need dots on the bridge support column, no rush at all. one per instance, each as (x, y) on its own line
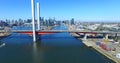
(116, 37)
(33, 20)
(105, 36)
(93, 36)
(85, 37)
(38, 15)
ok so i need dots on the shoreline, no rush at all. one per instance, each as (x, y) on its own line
(5, 32)
(91, 44)
(101, 51)
(2, 35)
(50, 27)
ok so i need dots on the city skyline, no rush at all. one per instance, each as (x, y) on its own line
(93, 10)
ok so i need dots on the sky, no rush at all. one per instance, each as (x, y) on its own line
(80, 10)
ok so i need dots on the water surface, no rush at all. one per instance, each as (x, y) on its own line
(52, 48)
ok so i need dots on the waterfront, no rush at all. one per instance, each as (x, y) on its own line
(53, 48)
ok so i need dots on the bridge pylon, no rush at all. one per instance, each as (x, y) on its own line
(85, 37)
(106, 37)
(38, 15)
(33, 20)
(116, 37)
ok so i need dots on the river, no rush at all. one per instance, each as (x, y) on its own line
(52, 48)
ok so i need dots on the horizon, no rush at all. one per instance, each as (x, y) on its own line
(100, 21)
(80, 10)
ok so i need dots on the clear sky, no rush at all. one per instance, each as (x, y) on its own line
(88, 10)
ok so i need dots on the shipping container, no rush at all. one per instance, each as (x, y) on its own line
(98, 43)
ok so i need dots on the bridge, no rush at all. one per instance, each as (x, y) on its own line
(39, 32)
(85, 32)
(61, 31)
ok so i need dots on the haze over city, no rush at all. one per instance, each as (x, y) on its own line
(80, 10)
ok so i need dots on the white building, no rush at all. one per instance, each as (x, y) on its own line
(93, 27)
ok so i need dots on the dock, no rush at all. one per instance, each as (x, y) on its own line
(100, 50)
(90, 43)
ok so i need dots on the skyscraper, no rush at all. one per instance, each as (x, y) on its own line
(42, 21)
(72, 21)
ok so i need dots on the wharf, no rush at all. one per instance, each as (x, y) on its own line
(87, 43)
(100, 50)
(90, 43)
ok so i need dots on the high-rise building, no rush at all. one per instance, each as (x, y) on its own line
(72, 21)
(50, 21)
(41, 21)
(47, 22)
(29, 20)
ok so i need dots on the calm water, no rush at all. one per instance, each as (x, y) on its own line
(52, 48)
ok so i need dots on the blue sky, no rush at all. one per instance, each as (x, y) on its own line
(87, 10)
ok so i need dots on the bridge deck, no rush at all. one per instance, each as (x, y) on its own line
(59, 31)
(70, 31)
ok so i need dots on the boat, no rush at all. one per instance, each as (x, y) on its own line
(2, 44)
